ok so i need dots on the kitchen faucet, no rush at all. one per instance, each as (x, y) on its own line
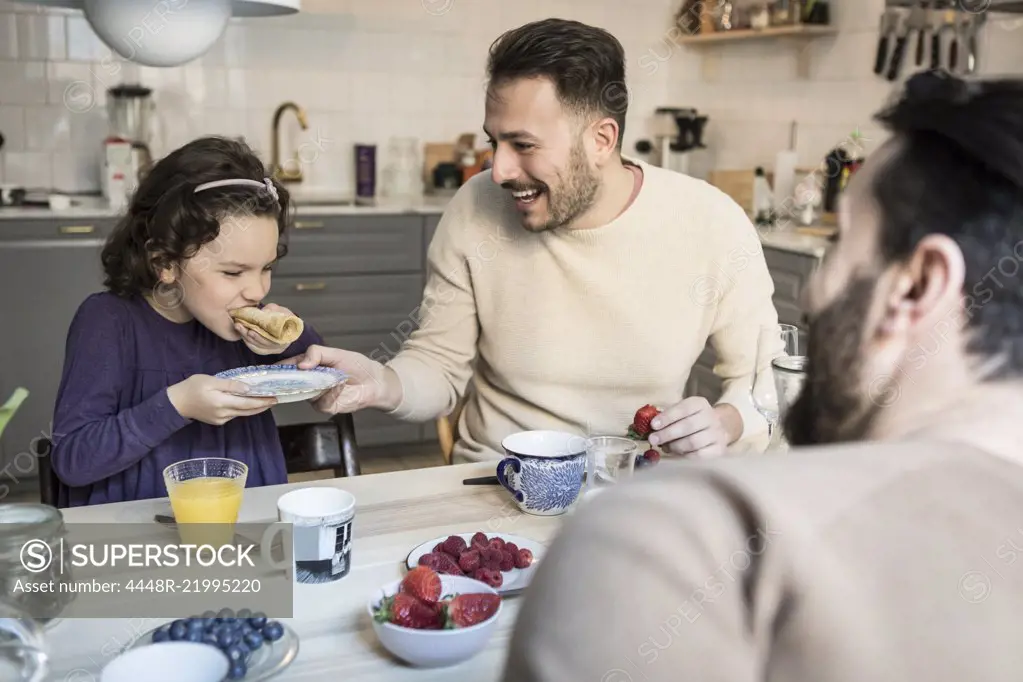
(277, 169)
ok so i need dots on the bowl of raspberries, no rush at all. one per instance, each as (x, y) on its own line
(504, 562)
(431, 620)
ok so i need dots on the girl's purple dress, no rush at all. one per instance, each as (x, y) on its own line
(115, 430)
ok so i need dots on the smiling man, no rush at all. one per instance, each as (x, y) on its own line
(570, 286)
(885, 552)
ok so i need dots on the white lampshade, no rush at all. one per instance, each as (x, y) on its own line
(168, 33)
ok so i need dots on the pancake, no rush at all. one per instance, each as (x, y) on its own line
(274, 326)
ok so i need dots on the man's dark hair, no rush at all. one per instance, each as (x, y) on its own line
(585, 63)
(957, 170)
(167, 222)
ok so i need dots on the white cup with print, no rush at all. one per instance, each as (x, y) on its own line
(321, 519)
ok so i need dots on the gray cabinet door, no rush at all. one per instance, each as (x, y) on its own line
(349, 245)
(43, 280)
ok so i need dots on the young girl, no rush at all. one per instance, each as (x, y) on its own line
(138, 391)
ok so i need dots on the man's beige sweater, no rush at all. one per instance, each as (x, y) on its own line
(575, 330)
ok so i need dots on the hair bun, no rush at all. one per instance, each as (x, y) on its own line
(939, 86)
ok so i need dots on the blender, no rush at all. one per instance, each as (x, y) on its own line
(130, 114)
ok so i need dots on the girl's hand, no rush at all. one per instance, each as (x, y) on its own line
(215, 401)
(258, 344)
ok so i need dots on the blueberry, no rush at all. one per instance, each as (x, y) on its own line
(209, 615)
(195, 624)
(210, 638)
(246, 629)
(273, 631)
(208, 624)
(244, 613)
(161, 634)
(254, 640)
(194, 636)
(237, 671)
(178, 630)
(225, 614)
(226, 638)
(257, 621)
(243, 647)
(235, 653)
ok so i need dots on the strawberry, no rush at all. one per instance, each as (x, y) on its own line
(652, 456)
(423, 583)
(479, 541)
(454, 546)
(640, 427)
(467, 610)
(405, 610)
(490, 576)
(469, 561)
(524, 558)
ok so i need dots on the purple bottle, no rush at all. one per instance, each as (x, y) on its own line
(365, 171)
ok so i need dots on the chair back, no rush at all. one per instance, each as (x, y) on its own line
(321, 446)
(49, 484)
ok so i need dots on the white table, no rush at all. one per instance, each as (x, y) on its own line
(394, 512)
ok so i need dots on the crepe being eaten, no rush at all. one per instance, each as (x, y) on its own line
(275, 326)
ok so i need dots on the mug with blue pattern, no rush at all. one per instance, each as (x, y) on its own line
(544, 470)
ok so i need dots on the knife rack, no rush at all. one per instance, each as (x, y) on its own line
(921, 34)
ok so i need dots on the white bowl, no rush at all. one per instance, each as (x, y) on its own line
(436, 648)
(168, 662)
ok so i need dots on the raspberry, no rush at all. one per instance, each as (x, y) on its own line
(652, 456)
(497, 543)
(524, 559)
(439, 547)
(491, 577)
(507, 561)
(469, 561)
(511, 547)
(454, 546)
(491, 558)
(479, 541)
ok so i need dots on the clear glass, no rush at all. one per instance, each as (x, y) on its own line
(609, 459)
(23, 654)
(19, 524)
(773, 342)
(202, 491)
(789, 376)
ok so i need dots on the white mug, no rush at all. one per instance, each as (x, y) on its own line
(321, 519)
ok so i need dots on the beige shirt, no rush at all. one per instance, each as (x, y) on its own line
(887, 561)
(575, 330)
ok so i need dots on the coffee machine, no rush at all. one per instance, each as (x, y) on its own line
(678, 141)
(127, 151)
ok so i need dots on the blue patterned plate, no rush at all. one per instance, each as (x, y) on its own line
(287, 383)
(513, 580)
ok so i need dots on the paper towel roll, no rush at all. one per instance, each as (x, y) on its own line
(784, 179)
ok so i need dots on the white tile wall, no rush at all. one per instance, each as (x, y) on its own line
(365, 71)
(757, 94)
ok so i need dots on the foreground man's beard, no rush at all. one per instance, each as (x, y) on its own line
(833, 406)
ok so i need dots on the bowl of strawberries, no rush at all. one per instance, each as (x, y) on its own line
(432, 620)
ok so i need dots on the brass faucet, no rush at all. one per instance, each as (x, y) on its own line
(277, 169)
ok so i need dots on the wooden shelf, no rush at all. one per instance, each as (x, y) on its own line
(796, 31)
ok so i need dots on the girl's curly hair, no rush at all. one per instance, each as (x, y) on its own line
(167, 222)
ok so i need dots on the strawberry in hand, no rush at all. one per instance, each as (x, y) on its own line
(640, 427)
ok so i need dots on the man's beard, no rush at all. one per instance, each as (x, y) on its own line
(575, 194)
(832, 406)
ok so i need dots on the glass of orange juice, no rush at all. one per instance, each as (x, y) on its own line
(206, 494)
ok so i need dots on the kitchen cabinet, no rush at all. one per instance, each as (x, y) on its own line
(47, 268)
(789, 270)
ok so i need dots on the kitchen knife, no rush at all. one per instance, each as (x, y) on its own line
(923, 30)
(882, 42)
(483, 480)
(900, 49)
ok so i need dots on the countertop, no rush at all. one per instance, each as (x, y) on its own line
(789, 239)
(90, 207)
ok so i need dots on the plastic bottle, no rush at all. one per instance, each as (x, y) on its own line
(763, 201)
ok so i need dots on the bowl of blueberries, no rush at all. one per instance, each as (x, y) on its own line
(255, 647)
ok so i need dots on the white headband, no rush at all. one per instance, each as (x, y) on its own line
(266, 184)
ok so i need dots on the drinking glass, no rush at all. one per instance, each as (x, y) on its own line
(609, 459)
(206, 494)
(773, 342)
(23, 651)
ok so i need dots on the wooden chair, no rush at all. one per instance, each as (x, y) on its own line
(321, 446)
(447, 431)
